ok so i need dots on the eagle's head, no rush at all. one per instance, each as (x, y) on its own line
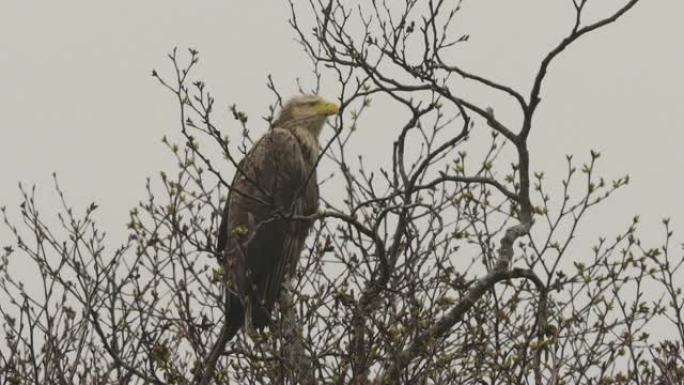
(306, 111)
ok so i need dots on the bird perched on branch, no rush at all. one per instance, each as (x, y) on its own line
(259, 239)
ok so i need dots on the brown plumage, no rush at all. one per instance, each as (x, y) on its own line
(276, 179)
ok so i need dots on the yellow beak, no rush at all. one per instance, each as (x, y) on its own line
(327, 108)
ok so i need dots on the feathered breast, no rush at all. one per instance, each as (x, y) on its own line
(275, 180)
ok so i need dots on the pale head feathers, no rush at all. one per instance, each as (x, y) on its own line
(306, 112)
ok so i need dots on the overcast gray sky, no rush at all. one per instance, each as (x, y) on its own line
(77, 96)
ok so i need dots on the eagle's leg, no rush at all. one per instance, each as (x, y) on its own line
(249, 327)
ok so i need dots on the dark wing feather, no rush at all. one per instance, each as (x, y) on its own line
(257, 240)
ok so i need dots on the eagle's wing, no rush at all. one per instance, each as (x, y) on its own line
(251, 232)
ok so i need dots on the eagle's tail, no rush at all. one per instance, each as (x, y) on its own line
(235, 316)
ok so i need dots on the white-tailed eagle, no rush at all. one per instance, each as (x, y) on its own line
(259, 241)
